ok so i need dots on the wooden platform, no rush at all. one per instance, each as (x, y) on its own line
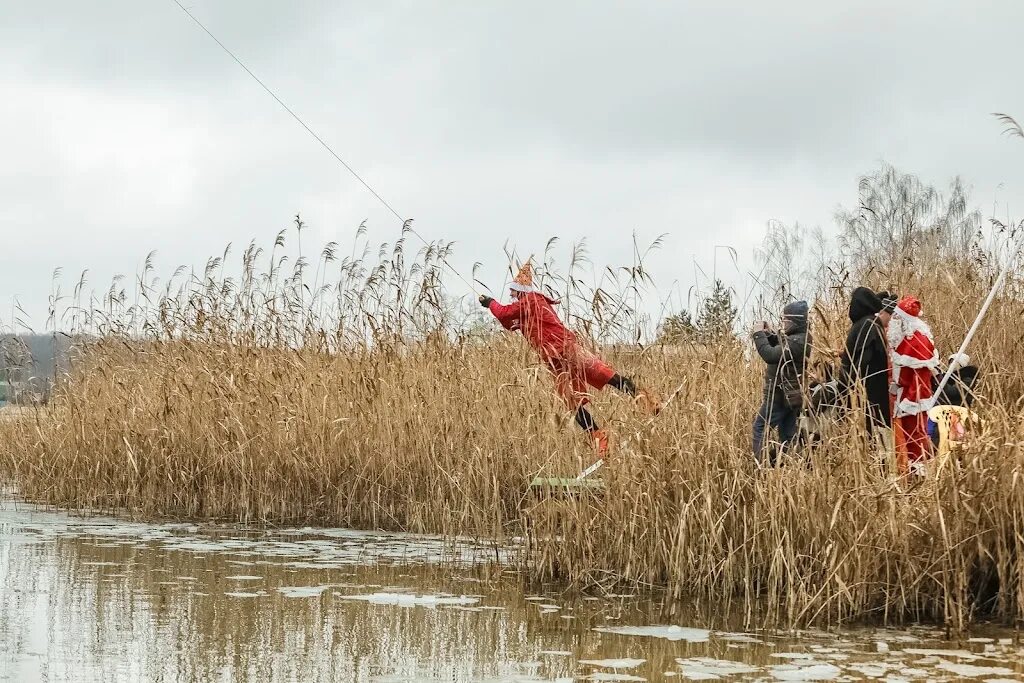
(567, 484)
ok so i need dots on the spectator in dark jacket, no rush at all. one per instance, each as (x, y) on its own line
(784, 355)
(866, 358)
(963, 380)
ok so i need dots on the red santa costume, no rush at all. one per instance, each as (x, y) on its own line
(574, 367)
(914, 362)
(533, 314)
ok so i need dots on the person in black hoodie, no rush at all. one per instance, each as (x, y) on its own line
(963, 380)
(866, 358)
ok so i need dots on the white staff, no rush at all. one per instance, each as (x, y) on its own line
(981, 314)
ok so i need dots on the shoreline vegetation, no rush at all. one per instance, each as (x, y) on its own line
(351, 391)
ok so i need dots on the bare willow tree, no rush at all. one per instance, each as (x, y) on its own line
(897, 217)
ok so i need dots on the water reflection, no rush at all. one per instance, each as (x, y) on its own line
(91, 599)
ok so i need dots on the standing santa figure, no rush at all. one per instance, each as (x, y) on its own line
(914, 362)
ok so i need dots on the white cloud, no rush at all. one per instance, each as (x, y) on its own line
(124, 129)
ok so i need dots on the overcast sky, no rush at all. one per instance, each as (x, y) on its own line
(124, 128)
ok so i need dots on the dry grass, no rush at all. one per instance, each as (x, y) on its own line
(366, 404)
(15, 412)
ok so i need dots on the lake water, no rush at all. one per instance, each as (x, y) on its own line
(100, 599)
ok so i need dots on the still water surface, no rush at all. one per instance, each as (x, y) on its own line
(100, 599)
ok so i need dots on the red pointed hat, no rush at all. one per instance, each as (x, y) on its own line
(523, 281)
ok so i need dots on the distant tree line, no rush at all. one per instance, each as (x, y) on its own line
(716, 320)
(29, 364)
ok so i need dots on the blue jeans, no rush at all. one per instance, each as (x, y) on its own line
(774, 413)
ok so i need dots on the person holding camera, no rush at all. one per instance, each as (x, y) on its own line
(785, 355)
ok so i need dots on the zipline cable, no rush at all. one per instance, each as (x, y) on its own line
(405, 222)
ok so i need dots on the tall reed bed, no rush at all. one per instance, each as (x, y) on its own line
(265, 394)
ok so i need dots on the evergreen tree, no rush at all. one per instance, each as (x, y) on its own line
(717, 317)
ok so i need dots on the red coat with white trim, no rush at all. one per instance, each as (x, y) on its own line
(534, 315)
(914, 358)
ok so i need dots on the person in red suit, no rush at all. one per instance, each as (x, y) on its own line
(575, 368)
(914, 364)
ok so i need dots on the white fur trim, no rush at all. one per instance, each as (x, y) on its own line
(903, 325)
(908, 407)
(516, 287)
(902, 361)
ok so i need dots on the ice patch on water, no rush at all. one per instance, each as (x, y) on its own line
(555, 653)
(332, 547)
(302, 591)
(244, 578)
(896, 636)
(706, 668)
(194, 546)
(971, 671)
(870, 669)
(809, 672)
(408, 600)
(240, 594)
(613, 663)
(604, 676)
(792, 655)
(739, 638)
(924, 652)
(672, 633)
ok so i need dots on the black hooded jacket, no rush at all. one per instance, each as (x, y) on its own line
(866, 358)
(959, 390)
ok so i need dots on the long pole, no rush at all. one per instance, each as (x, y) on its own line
(981, 315)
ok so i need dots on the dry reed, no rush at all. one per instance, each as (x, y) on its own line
(367, 403)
